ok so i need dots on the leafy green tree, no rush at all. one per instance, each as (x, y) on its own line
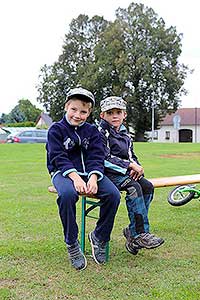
(152, 71)
(16, 115)
(135, 57)
(4, 118)
(138, 58)
(70, 69)
(24, 111)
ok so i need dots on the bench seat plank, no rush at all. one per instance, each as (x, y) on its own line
(175, 180)
(159, 182)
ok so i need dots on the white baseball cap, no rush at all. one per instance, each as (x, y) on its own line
(83, 93)
(112, 102)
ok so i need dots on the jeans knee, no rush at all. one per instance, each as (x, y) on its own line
(115, 196)
(147, 186)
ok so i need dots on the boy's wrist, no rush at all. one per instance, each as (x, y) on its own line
(93, 176)
(73, 175)
(98, 174)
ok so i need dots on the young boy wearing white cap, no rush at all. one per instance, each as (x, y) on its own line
(75, 160)
(124, 170)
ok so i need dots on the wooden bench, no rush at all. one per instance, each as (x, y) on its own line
(163, 181)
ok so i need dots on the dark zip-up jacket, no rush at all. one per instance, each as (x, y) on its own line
(118, 148)
(71, 148)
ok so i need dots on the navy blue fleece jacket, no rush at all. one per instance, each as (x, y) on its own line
(118, 148)
(78, 149)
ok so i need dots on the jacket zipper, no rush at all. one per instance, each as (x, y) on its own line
(79, 140)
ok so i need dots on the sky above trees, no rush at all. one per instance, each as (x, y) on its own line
(32, 34)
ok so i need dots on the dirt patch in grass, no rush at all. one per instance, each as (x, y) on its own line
(8, 283)
(181, 155)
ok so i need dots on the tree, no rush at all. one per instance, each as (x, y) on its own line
(4, 118)
(69, 70)
(135, 57)
(138, 58)
(152, 67)
(24, 111)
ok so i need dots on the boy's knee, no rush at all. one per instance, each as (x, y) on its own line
(68, 196)
(134, 189)
(115, 196)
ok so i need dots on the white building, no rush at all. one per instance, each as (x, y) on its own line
(181, 126)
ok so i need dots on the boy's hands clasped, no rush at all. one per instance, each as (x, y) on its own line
(81, 186)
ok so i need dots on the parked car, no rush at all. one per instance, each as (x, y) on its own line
(28, 136)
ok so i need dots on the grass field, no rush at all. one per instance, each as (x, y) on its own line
(33, 259)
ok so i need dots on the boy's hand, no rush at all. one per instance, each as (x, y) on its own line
(92, 185)
(133, 174)
(136, 171)
(79, 183)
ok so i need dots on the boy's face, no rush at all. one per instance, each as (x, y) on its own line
(114, 117)
(77, 111)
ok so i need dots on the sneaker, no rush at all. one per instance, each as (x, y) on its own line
(98, 248)
(148, 241)
(130, 246)
(76, 256)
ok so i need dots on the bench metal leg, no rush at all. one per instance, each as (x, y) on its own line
(83, 209)
(84, 213)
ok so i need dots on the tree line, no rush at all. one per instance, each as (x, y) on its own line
(136, 56)
(23, 114)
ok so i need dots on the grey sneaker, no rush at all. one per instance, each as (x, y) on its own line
(98, 248)
(130, 246)
(148, 241)
(76, 256)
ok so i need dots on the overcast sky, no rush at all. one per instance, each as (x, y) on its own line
(32, 34)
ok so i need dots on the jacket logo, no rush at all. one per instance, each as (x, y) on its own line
(69, 144)
(85, 143)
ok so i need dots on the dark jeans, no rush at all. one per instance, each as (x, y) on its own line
(67, 198)
(139, 195)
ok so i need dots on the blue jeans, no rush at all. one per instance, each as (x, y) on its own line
(67, 198)
(139, 195)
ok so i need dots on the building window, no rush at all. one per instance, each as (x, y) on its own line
(167, 135)
(155, 135)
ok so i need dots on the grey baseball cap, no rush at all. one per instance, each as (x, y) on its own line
(112, 102)
(83, 93)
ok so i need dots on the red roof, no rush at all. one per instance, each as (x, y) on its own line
(188, 116)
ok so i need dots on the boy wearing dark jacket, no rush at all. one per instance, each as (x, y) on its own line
(75, 160)
(124, 170)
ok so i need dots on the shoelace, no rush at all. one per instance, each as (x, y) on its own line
(149, 236)
(74, 252)
(102, 248)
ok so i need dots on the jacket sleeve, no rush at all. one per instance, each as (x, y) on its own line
(112, 162)
(95, 155)
(132, 156)
(57, 154)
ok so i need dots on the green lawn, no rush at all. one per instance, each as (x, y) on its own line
(33, 259)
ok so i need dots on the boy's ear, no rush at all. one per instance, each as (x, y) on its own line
(89, 111)
(101, 115)
(125, 115)
(66, 105)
